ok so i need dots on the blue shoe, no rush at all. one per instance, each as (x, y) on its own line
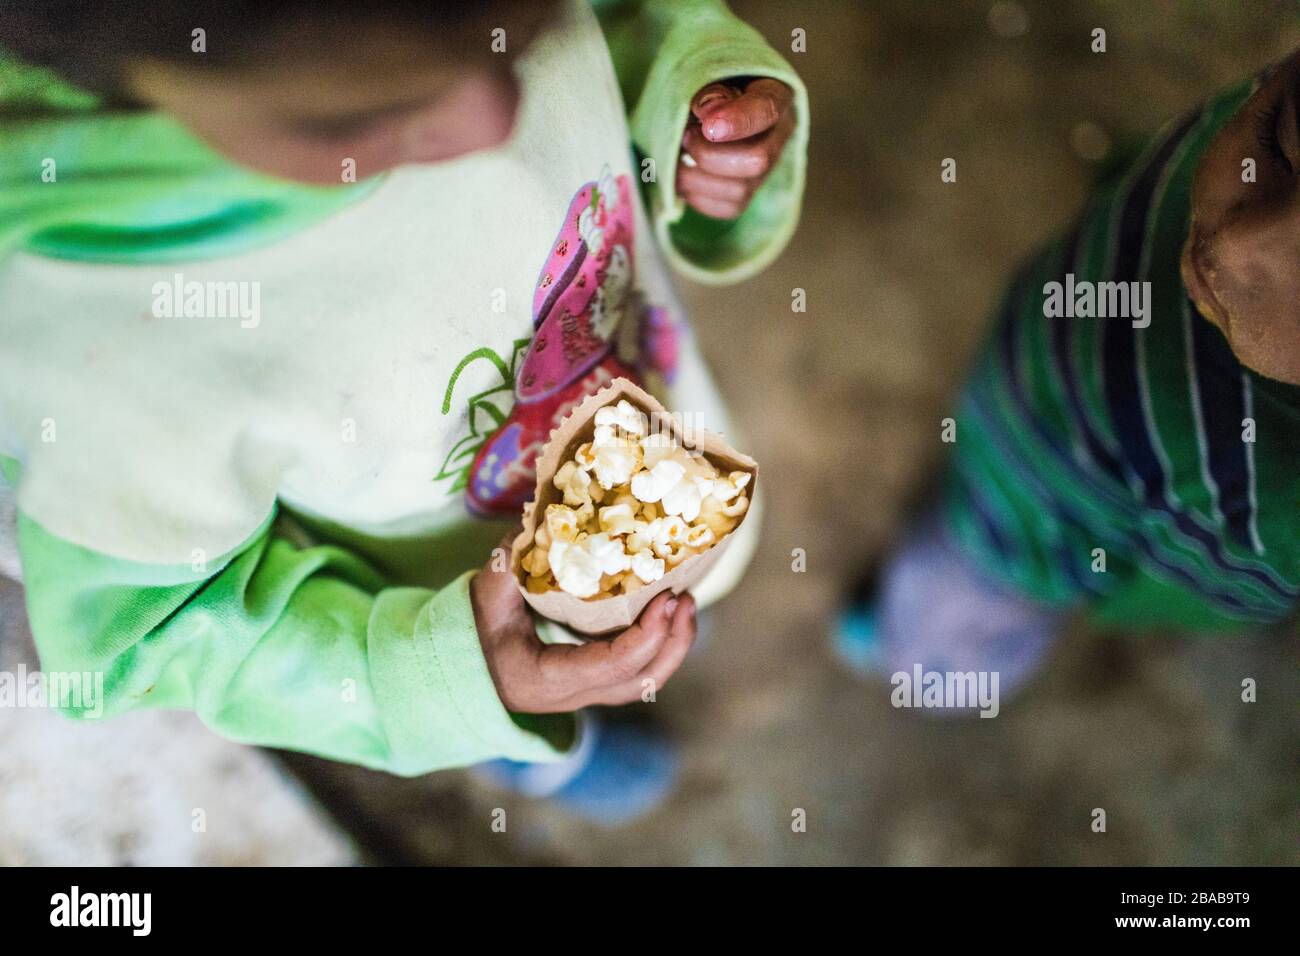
(855, 639)
(615, 774)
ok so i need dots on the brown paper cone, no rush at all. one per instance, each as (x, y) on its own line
(605, 615)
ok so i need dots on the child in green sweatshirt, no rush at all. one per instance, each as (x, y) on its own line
(245, 404)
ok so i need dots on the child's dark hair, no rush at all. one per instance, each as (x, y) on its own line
(88, 42)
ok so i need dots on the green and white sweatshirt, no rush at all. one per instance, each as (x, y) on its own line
(242, 418)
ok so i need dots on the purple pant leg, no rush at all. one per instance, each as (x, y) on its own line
(937, 610)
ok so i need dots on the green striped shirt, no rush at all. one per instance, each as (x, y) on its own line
(1089, 440)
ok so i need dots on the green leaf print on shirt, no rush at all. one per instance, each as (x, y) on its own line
(484, 415)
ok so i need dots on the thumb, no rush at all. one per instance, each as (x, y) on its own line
(496, 582)
(711, 97)
(758, 109)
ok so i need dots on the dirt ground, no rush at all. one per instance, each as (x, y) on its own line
(900, 273)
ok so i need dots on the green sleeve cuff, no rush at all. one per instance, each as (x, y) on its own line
(711, 251)
(439, 706)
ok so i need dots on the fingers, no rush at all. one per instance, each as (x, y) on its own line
(615, 672)
(733, 141)
(715, 208)
(696, 182)
(740, 160)
(764, 102)
(532, 677)
(715, 196)
(681, 637)
(719, 179)
(575, 676)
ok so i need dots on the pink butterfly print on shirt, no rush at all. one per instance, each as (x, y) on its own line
(586, 289)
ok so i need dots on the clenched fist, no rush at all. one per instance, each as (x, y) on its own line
(733, 139)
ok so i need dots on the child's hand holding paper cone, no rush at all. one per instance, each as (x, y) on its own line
(642, 609)
(536, 678)
(628, 504)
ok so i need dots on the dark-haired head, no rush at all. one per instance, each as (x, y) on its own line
(295, 88)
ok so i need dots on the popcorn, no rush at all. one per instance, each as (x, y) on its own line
(624, 415)
(623, 496)
(633, 506)
(736, 508)
(721, 516)
(679, 555)
(679, 487)
(562, 523)
(607, 552)
(725, 489)
(615, 461)
(684, 497)
(655, 448)
(617, 519)
(641, 537)
(652, 485)
(672, 529)
(585, 457)
(575, 483)
(647, 567)
(700, 536)
(575, 568)
(537, 563)
(614, 452)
